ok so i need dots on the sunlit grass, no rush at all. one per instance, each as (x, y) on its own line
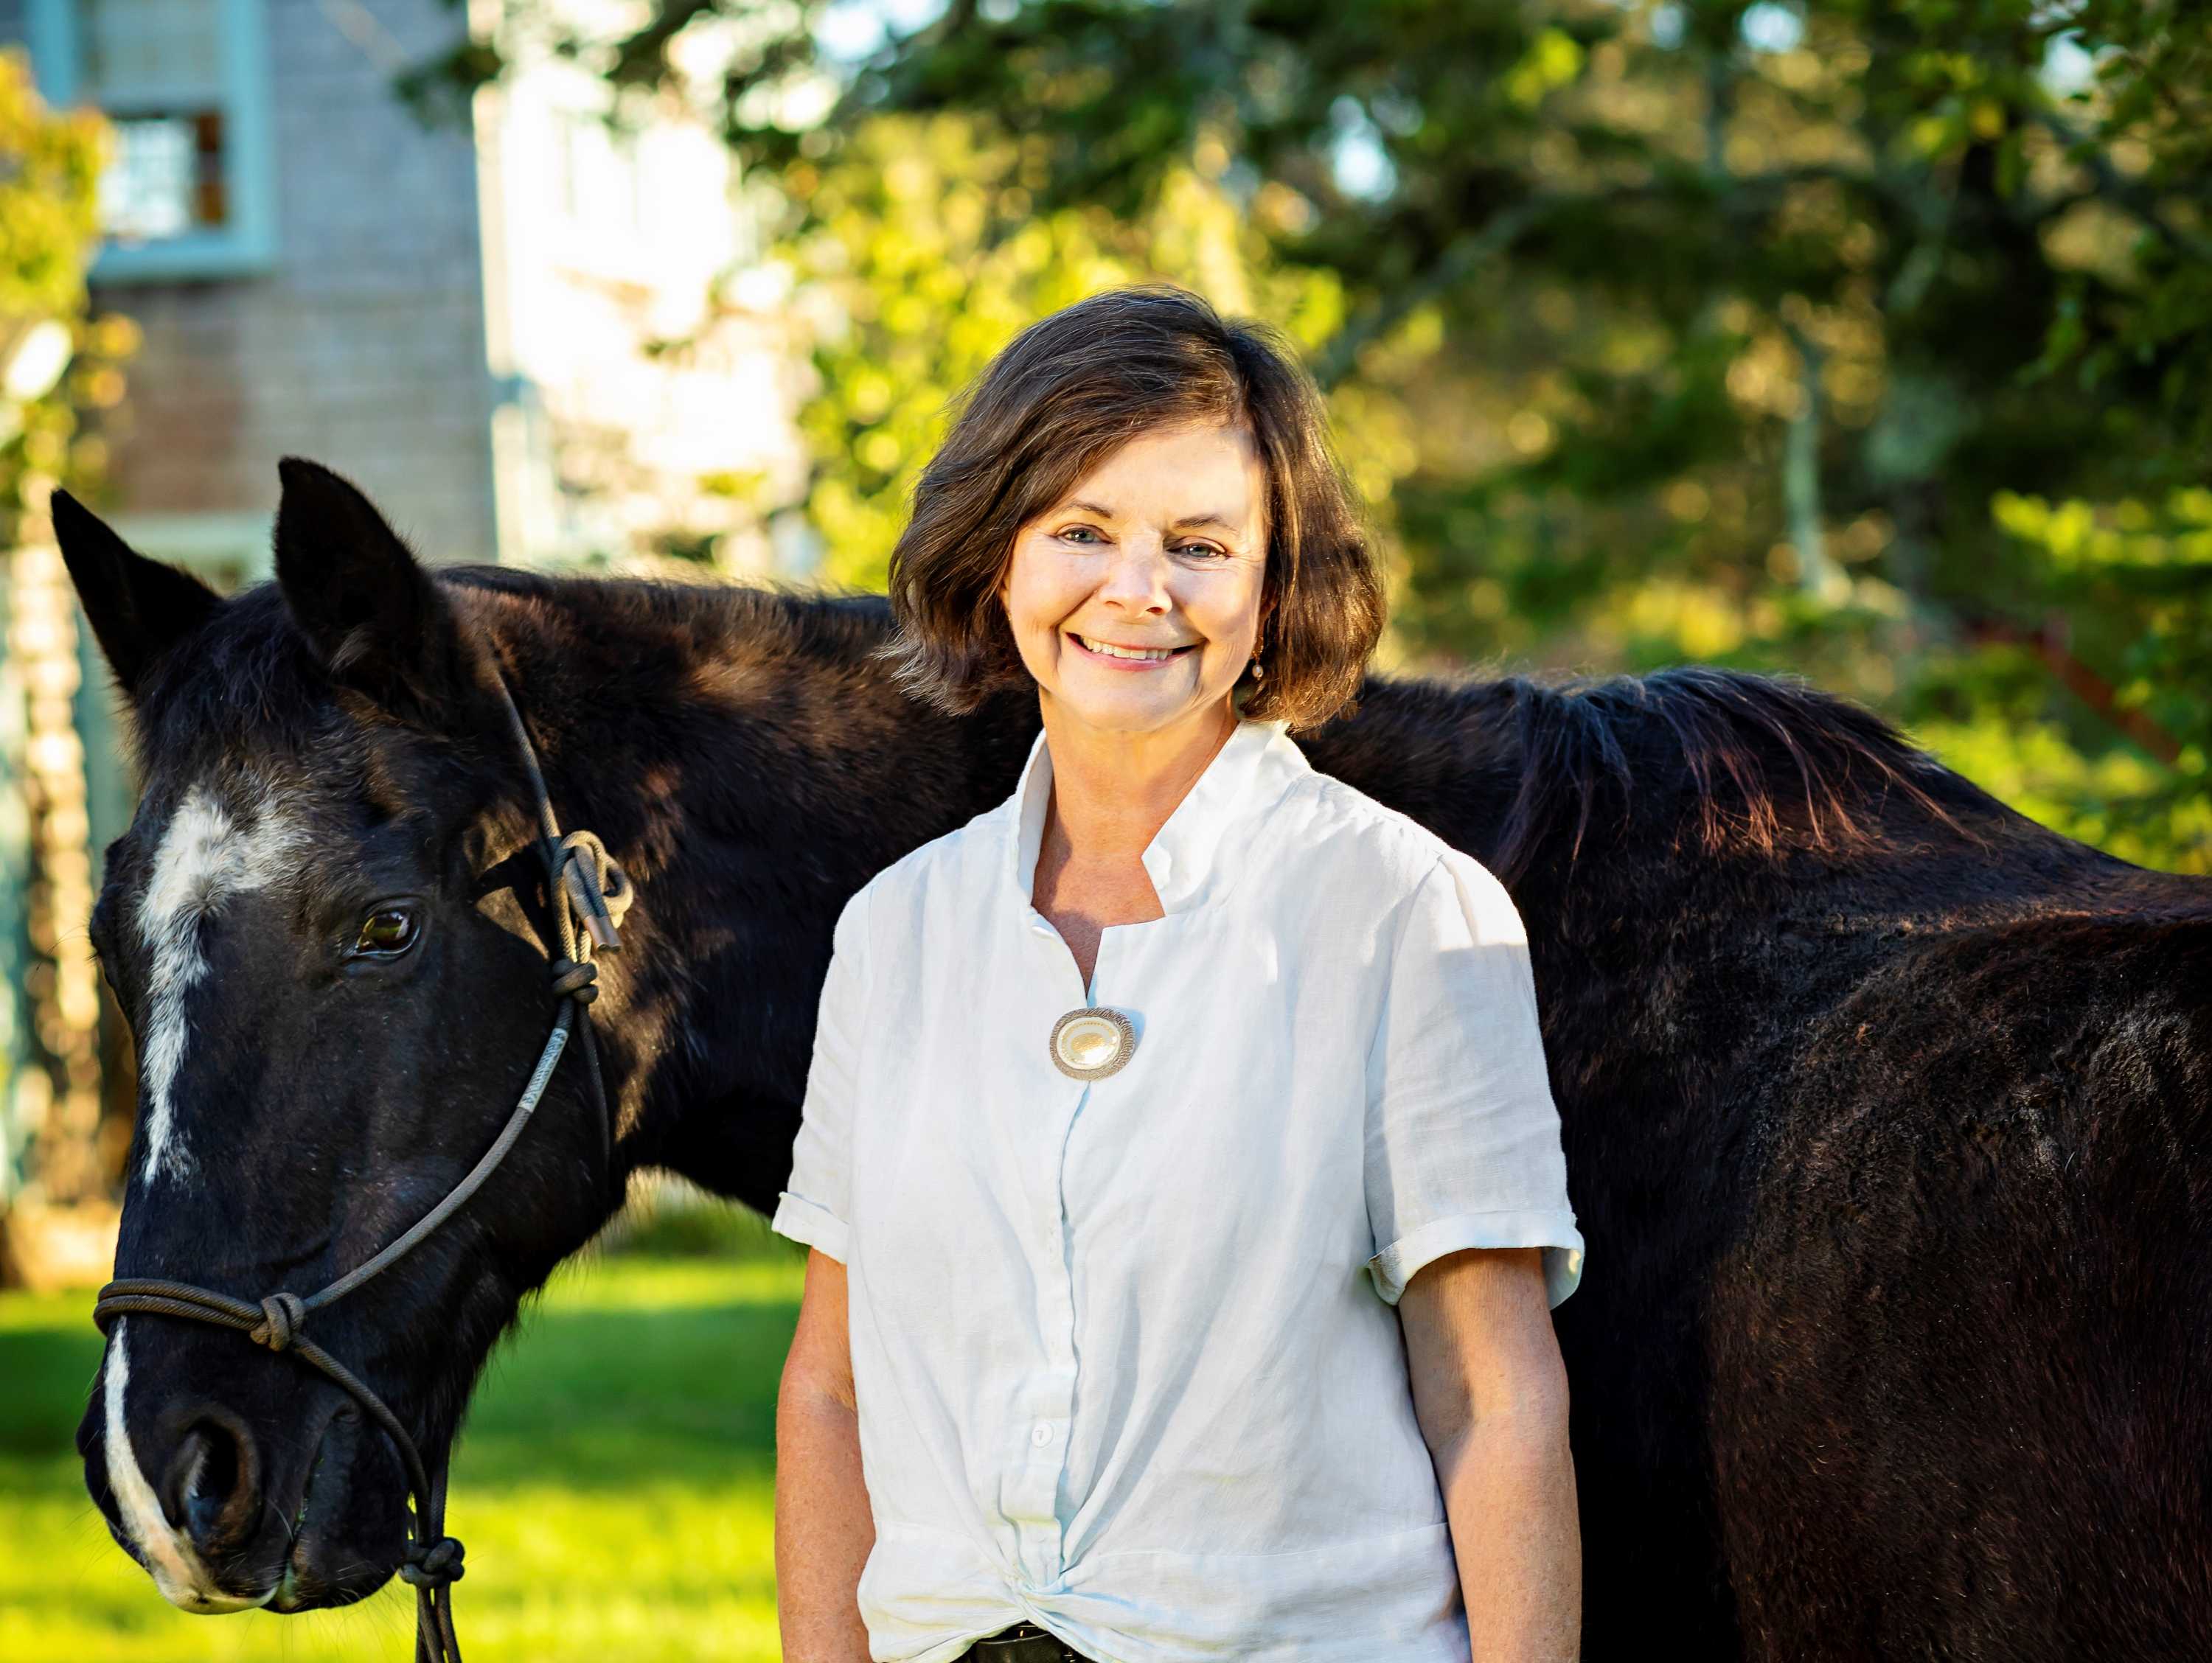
(615, 1487)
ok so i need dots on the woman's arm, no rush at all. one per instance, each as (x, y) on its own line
(1491, 1394)
(823, 1529)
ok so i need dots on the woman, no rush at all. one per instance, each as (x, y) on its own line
(1139, 1101)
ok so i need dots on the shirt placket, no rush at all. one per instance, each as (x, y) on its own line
(1048, 1398)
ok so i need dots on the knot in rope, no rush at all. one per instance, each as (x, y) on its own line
(600, 890)
(581, 879)
(434, 1566)
(281, 1317)
(572, 980)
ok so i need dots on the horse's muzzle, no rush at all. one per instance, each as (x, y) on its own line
(230, 1502)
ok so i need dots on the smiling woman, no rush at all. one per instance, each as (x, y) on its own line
(1118, 1089)
(1080, 588)
(1208, 444)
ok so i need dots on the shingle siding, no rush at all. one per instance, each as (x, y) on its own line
(364, 347)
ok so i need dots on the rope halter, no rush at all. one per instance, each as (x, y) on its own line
(582, 881)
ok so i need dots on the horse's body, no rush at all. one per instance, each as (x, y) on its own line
(1885, 1111)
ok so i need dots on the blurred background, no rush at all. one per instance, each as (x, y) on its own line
(1862, 341)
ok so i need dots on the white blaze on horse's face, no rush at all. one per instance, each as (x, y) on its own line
(169, 1555)
(204, 857)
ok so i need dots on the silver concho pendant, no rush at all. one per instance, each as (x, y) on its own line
(1091, 1041)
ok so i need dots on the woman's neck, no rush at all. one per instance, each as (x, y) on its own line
(1112, 790)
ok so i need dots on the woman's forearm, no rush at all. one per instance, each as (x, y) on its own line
(823, 1528)
(1509, 1488)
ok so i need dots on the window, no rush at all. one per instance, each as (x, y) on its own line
(190, 189)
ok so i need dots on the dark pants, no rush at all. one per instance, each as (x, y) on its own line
(1024, 1642)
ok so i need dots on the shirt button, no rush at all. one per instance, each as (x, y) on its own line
(1041, 1434)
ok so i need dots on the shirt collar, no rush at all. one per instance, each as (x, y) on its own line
(1246, 774)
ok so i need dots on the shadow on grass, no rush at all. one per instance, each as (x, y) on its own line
(614, 1398)
(48, 1374)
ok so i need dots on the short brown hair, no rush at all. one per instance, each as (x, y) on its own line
(1063, 396)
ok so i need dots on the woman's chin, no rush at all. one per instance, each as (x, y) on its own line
(1127, 703)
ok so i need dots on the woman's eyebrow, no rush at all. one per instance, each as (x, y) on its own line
(1219, 520)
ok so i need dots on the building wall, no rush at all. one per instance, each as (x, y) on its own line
(363, 348)
(603, 245)
(459, 319)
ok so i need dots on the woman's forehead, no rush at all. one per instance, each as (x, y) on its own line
(1210, 471)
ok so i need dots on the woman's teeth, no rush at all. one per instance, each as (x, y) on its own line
(1108, 650)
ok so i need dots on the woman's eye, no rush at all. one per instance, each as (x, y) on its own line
(1078, 534)
(1205, 549)
(387, 930)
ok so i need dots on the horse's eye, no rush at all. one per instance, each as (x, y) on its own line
(387, 930)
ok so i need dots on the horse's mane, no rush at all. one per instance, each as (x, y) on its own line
(1768, 764)
(813, 621)
(249, 664)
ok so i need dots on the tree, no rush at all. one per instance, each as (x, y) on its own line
(1719, 327)
(921, 251)
(53, 360)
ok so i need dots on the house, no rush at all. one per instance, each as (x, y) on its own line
(471, 317)
(520, 328)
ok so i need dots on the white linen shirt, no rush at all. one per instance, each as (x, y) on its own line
(1123, 1350)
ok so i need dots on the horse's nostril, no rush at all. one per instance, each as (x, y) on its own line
(183, 1477)
(210, 1489)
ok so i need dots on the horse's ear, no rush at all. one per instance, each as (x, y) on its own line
(139, 608)
(371, 613)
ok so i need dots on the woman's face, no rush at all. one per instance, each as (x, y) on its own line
(1163, 545)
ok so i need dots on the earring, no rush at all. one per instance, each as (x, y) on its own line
(1259, 671)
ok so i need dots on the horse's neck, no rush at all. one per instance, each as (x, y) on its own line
(750, 766)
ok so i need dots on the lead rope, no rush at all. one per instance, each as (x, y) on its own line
(580, 877)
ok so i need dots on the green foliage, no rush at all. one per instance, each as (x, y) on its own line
(50, 165)
(2141, 573)
(49, 186)
(1695, 329)
(921, 249)
(49, 175)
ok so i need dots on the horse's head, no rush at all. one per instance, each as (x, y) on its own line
(323, 926)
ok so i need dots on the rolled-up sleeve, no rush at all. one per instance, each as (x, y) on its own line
(812, 1206)
(1462, 1145)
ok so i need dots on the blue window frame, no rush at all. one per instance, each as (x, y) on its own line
(190, 191)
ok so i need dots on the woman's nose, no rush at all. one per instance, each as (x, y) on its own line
(1137, 577)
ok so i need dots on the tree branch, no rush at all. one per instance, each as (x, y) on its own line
(1818, 575)
(2132, 197)
(2052, 642)
(1470, 250)
(1459, 261)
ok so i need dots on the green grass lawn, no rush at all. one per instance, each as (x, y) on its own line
(615, 1485)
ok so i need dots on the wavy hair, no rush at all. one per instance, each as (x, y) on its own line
(1066, 393)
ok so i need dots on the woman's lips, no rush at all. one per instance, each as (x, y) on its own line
(1113, 662)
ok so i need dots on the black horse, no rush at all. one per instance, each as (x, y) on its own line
(1887, 1114)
